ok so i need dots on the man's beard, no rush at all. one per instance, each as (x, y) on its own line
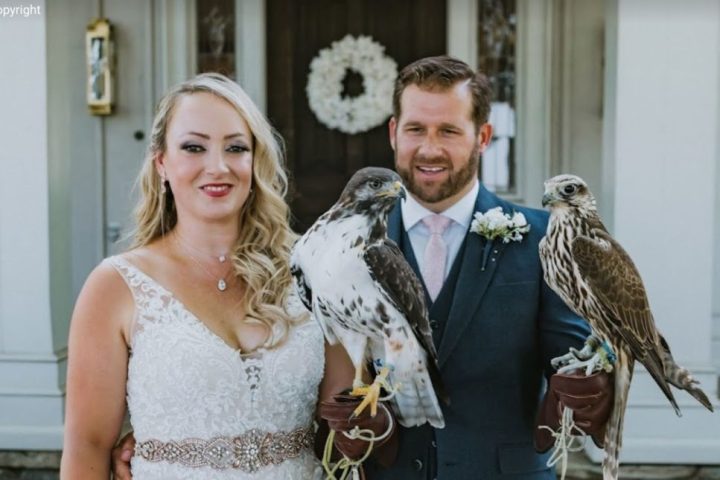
(456, 181)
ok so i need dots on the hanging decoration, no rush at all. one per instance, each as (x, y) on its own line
(324, 88)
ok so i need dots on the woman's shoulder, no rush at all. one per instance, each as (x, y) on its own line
(112, 277)
(106, 278)
(105, 298)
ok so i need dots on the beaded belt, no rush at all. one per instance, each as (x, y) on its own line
(248, 452)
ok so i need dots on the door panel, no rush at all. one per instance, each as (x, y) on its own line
(321, 160)
(127, 131)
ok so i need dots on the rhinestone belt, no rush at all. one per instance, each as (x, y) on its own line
(248, 452)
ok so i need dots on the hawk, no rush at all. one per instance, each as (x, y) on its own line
(596, 278)
(364, 294)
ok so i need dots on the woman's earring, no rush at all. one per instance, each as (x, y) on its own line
(162, 185)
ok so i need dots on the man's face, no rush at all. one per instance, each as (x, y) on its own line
(436, 145)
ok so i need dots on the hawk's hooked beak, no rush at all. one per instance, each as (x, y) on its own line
(395, 190)
(400, 190)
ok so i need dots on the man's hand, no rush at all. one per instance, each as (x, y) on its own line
(338, 412)
(590, 398)
(121, 455)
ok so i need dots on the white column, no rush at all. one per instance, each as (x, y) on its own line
(660, 155)
(31, 399)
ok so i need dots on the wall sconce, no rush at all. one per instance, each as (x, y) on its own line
(99, 47)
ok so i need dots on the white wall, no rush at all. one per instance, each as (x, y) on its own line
(716, 258)
(30, 369)
(75, 161)
(661, 153)
(665, 156)
(24, 259)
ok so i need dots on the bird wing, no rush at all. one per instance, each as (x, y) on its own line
(616, 283)
(390, 270)
(301, 286)
(304, 292)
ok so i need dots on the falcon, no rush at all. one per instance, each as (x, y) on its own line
(364, 294)
(596, 278)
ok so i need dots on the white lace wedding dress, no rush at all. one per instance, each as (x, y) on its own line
(202, 410)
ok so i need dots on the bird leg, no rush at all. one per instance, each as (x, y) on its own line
(357, 381)
(371, 393)
(593, 357)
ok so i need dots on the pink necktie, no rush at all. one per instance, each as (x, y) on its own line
(433, 270)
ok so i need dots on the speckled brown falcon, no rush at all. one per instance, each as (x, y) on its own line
(596, 278)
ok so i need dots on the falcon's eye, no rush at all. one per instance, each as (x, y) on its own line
(569, 189)
(375, 184)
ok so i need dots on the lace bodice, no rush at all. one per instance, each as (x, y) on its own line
(185, 382)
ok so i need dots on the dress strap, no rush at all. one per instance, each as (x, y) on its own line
(151, 299)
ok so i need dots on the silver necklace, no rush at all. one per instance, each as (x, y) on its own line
(220, 258)
(221, 283)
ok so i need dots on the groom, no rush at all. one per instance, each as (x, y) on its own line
(495, 322)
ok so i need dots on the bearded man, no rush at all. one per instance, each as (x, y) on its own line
(496, 324)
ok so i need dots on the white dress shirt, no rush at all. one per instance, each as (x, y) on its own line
(460, 213)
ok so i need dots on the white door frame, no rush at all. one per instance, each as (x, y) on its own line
(176, 39)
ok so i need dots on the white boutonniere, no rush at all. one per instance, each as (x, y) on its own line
(496, 224)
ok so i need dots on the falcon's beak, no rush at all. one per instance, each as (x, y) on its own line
(547, 199)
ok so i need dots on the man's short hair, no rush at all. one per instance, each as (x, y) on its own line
(440, 74)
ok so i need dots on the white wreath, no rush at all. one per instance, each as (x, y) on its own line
(324, 87)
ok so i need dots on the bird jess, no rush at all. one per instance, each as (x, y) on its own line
(596, 278)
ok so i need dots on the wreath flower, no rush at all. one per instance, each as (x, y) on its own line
(324, 87)
(496, 224)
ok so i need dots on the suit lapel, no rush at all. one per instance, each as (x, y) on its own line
(472, 281)
(394, 225)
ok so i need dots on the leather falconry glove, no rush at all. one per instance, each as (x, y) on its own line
(338, 413)
(589, 397)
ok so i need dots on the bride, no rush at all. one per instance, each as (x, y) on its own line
(195, 325)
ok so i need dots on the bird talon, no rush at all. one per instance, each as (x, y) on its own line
(371, 393)
(360, 391)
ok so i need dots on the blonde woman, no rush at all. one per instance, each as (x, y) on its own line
(195, 324)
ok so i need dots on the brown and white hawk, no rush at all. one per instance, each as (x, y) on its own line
(597, 279)
(359, 287)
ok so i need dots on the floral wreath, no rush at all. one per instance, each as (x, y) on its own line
(324, 87)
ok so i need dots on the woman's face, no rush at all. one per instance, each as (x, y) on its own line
(208, 159)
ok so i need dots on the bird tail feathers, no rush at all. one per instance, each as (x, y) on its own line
(416, 403)
(681, 377)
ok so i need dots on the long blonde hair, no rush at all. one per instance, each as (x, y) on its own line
(262, 251)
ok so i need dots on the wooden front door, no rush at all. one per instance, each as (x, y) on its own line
(321, 160)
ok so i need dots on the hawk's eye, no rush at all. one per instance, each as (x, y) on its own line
(375, 184)
(569, 189)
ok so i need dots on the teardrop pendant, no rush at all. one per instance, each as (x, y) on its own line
(221, 285)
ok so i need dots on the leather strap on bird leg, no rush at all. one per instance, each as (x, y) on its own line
(347, 466)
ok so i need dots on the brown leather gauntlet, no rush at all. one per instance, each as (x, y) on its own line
(590, 398)
(338, 414)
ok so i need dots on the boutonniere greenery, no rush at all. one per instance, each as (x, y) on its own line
(495, 224)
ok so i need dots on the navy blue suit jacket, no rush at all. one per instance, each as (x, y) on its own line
(503, 325)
